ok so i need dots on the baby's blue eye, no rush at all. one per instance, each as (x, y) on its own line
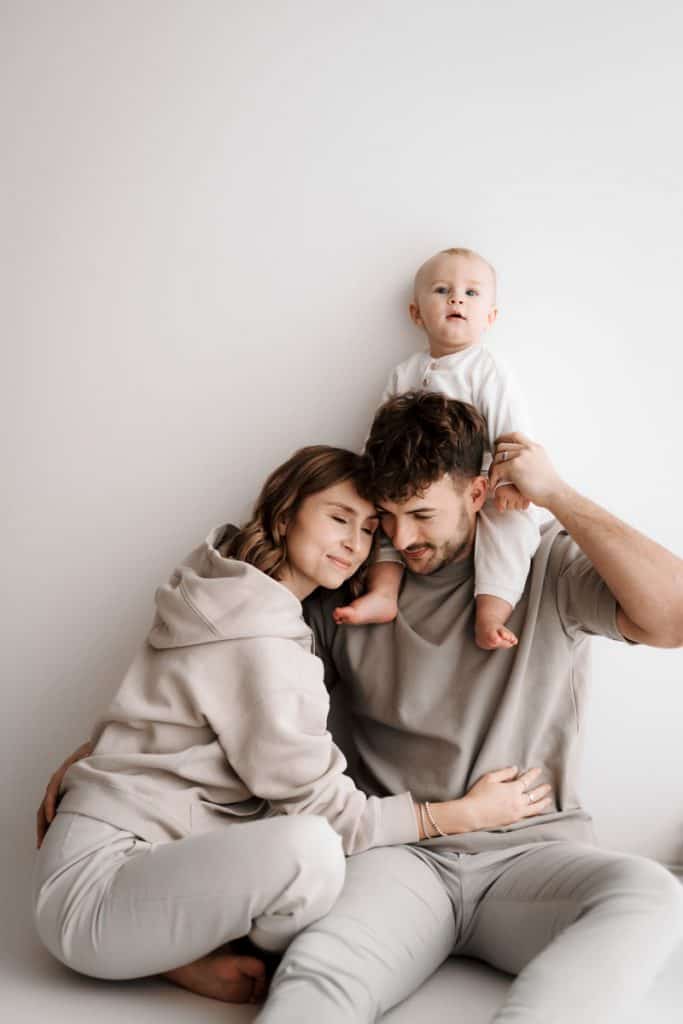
(440, 290)
(472, 291)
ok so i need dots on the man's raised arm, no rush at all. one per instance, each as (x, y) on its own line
(645, 579)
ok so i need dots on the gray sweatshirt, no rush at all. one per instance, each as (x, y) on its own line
(432, 713)
(222, 716)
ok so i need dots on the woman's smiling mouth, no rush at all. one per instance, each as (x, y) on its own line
(340, 562)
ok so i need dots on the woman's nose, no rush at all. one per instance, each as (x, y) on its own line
(352, 541)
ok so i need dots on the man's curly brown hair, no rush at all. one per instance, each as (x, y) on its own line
(415, 439)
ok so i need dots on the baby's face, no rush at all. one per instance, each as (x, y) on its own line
(454, 302)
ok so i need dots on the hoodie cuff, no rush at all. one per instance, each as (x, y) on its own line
(399, 821)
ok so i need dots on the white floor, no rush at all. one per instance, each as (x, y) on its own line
(37, 988)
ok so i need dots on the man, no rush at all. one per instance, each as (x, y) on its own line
(584, 930)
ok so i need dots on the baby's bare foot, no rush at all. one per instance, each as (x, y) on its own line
(223, 975)
(490, 631)
(370, 607)
(490, 636)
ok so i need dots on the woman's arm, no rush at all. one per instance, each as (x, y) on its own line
(499, 798)
(274, 735)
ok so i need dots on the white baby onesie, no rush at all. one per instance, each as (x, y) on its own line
(505, 541)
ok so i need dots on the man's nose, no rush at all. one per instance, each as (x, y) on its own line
(404, 535)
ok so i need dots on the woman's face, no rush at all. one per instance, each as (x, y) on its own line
(328, 539)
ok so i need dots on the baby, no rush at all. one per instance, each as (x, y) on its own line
(454, 304)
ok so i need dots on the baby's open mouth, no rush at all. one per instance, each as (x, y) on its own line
(456, 316)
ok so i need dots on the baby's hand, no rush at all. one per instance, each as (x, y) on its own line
(509, 499)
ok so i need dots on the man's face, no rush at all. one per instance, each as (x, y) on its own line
(454, 302)
(437, 527)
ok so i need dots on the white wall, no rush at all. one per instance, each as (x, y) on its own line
(212, 215)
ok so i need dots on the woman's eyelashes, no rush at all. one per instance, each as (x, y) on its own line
(370, 530)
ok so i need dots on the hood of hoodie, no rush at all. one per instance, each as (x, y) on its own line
(211, 598)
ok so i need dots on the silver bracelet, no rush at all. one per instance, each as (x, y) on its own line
(431, 818)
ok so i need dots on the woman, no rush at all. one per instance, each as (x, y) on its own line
(213, 800)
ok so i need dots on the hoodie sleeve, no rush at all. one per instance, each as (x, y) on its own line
(272, 727)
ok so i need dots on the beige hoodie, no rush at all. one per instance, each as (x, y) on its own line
(222, 716)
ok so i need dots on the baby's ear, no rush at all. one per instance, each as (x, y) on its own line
(493, 315)
(414, 311)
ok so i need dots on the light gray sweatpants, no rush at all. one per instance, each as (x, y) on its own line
(584, 930)
(109, 904)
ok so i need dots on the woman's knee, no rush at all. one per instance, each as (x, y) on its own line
(319, 855)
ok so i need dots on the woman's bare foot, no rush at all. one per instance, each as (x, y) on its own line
(371, 607)
(224, 975)
(490, 631)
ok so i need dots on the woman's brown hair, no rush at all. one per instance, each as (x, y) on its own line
(262, 541)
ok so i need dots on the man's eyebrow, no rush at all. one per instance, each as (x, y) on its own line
(420, 508)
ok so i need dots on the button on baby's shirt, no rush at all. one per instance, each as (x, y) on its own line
(426, 379)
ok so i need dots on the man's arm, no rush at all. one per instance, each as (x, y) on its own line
(645, 579)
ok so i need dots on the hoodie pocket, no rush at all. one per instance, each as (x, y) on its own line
(205, 813)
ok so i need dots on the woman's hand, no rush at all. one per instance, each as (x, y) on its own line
(504, 797)
(496, 799)
(48, 807)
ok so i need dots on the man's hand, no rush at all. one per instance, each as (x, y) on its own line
(525, 464)
(48, 807)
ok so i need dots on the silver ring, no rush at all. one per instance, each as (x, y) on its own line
(504, 456)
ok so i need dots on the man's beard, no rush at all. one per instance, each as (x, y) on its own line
(453, 550)
(449, 552)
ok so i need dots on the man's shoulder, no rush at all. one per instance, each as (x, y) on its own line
(556, 550)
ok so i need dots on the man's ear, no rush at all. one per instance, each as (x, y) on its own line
(414, 311)
(479, 488)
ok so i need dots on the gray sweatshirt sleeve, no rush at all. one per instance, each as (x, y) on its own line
(584, 601)
(273, 732)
